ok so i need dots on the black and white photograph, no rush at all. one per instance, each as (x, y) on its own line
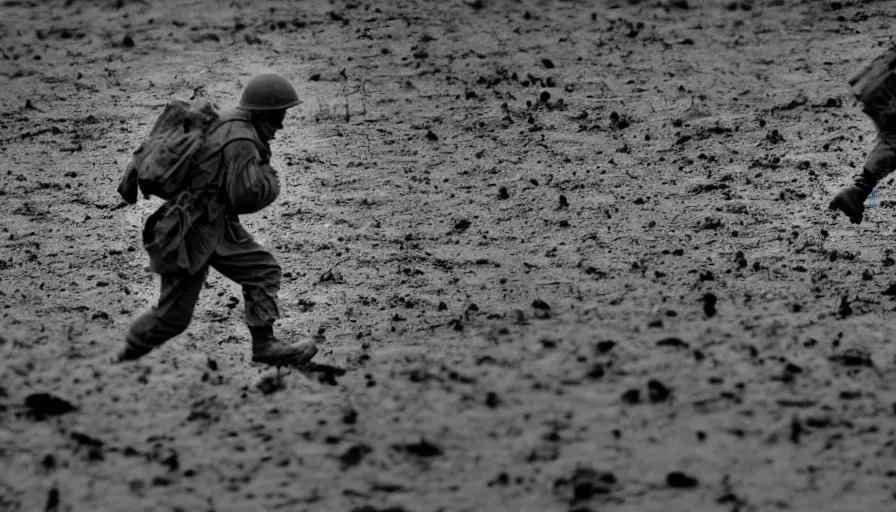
(447, 255)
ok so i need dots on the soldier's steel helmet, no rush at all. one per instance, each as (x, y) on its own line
(268, 91)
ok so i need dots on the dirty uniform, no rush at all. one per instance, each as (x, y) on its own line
(874, 86)
(217, 240)
(881, 161)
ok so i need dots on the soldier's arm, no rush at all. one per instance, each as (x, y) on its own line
(250, 183)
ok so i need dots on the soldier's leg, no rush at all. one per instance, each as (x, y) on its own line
(880, 163)
(168, 318)
(240, 258)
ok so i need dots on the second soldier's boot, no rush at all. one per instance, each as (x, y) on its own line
(851, 199)
(266, 348)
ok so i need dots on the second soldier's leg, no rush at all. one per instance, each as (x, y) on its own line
(880, 163)
(241, 259)
(170, 317)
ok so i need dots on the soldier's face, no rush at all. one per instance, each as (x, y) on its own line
(276, 118)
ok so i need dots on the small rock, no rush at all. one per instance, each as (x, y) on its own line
(796, 430)
(48, 462)
(584, 484)
(596, 371)
(603, 347)
(502, 193)
(462, 225)
(564, 203)
(354, 455)
(350, 417)
(492, 400)
(422, 449)
(709, 304)
(431, 136)
(52, 500)
(632, 397)
(540, 304)
(680, 480)
(657, 392)
(547, 63)
(45, 404)
(853, 357)
(212, 364)
(127, 42)
(672, 342)
(844, 310)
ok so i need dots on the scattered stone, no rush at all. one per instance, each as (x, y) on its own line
(890, 291)
(52, 500)
(844, 310)
(596, 371)
(431, 136)
(41, 405)
(540, 304)
(212, 364)
(206, 36)
(547, 63)
(584, 484)
(603, 347)
(48, 462)
(774, 137)
(657, 392)
(679, 480)
(564, 203)
(127, 42)
(502, 193)
(853, 357)
(423, 448)
(672, 342)
(709, 304)
(462, 225)
(796, 430)
(632, 397)
(492, 400)
(354, 455)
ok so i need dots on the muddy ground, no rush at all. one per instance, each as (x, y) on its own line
(569, 255)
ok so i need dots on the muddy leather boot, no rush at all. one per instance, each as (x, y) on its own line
(266, 348)
(851, 199)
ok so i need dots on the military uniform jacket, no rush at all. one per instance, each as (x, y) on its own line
(234, 178)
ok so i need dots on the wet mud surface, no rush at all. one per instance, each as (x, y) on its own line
(565, 256)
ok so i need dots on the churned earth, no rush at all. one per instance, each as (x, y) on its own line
(565, 255)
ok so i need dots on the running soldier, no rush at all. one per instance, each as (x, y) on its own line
(875, 87)
(198, 227)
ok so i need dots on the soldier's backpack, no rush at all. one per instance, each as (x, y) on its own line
(161, 165)
(170, 164)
